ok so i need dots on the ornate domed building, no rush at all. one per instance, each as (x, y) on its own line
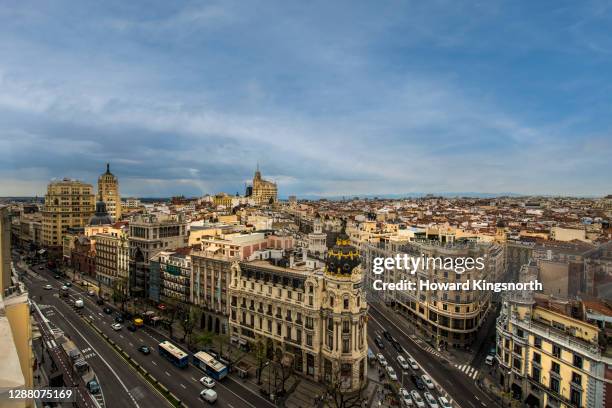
(101, 216)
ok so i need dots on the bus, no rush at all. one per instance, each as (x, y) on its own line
(209, 365)
(173, 354)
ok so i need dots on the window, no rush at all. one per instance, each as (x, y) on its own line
(554, 384)
(576, 397)
(345, 346)
(279, 329)
(576, 379)
(309, 340)
(346, 302)
(556, 350)
(537, 342)
(516, 363)
(577, 361)
(345, 326)
(537, 358)
(518, 349)
(330, 341)
(555, 368)
(535, 373)
(269, 325)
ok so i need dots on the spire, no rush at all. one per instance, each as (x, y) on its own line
(107, 168)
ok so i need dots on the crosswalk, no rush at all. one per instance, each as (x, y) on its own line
(433, 351)
(468, 370)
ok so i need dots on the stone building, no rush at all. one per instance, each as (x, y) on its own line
(264, 191)
(108, 189)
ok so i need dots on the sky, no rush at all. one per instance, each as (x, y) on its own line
(330, 98)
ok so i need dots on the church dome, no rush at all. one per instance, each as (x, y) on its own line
(101, 216)
(342, 258)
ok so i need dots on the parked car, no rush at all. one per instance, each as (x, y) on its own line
(416, 397)
(391, 373)
(40, 268)
(431, 401)
(490, 360)
(207, 381)
(413, 364)
(387, 335)
(444, 403)
(405, 398)
(91, 293)
(397, 346)
(107, 310)
(427, 381)
(403, 363)
(48, 287)
(144, 350)
(57, 277)
(116, 326)
(208, 395)
(381, 359)
(417, 382)
(379, 342)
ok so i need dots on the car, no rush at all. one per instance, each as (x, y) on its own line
(57, 277)
(489, 360)
(391, 373)
(444, 403)
(64, 287)
(207, 381)
(132, 328)
(417, 381)
(107, 310)
(431, 401)
(208, 395)
(48, 287)
(416, 397)
(144, 350)
(116, 326)
(100, 301)
(93, 387)
(91, 292)
(387, 335)
(119, 319)
(427, 381)
(405, 398)
(397, 346)
(379, 342)
(40, 268)
(68, 284)
(403, 363)
(413, 363)
(381, 359)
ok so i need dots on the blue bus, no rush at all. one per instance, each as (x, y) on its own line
(173, 354)
(209, 365)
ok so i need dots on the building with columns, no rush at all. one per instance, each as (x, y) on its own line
(314, 319)
(108, 189)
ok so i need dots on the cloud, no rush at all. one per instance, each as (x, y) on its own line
(330, 99)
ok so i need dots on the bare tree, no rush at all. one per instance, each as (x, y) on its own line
(340, 396)
(261, 355)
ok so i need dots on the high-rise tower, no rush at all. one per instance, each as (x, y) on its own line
(108, 189)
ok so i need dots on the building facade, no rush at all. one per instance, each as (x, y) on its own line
(68, 203)
(112, 263)
(264, 191)
(108, 190)
(170, 276)
(315, 319)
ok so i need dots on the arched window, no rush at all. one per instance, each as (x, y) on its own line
(346, 302)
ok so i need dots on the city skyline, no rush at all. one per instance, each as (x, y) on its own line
(376, 100)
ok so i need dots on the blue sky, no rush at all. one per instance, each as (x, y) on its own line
(331, 98)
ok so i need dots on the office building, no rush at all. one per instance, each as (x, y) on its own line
(108, 190)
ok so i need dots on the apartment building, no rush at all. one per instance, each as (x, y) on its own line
(448, 318)
(150, 234)
(170, 276)
(315, 319)
(554, 353)
(112, 260)
(68, 203)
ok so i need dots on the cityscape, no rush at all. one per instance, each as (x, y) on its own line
(251, 301)
(322, 204)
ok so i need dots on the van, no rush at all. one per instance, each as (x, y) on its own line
(208, 395)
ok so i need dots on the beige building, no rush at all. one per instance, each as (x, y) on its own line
(68, 203)
(316, 320)
(554, 353)
(108, 189)
(16, 358)
(112, 261)
(264, 191)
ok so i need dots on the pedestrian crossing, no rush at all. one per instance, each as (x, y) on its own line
(433, 351)
(468, 370)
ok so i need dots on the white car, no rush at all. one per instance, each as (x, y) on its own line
(208, 395)
(416, 397)
(405, 398)
(431, 401)
(48, 287)
(91, 292)
(116, 326)
(207, 381)
(64, 287)
(427, 381)
(402, 362)
(391, 373)
(413, 363)
(444, 403)
(489, 360)
(381, 359)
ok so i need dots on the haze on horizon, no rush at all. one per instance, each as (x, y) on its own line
(332, 99)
